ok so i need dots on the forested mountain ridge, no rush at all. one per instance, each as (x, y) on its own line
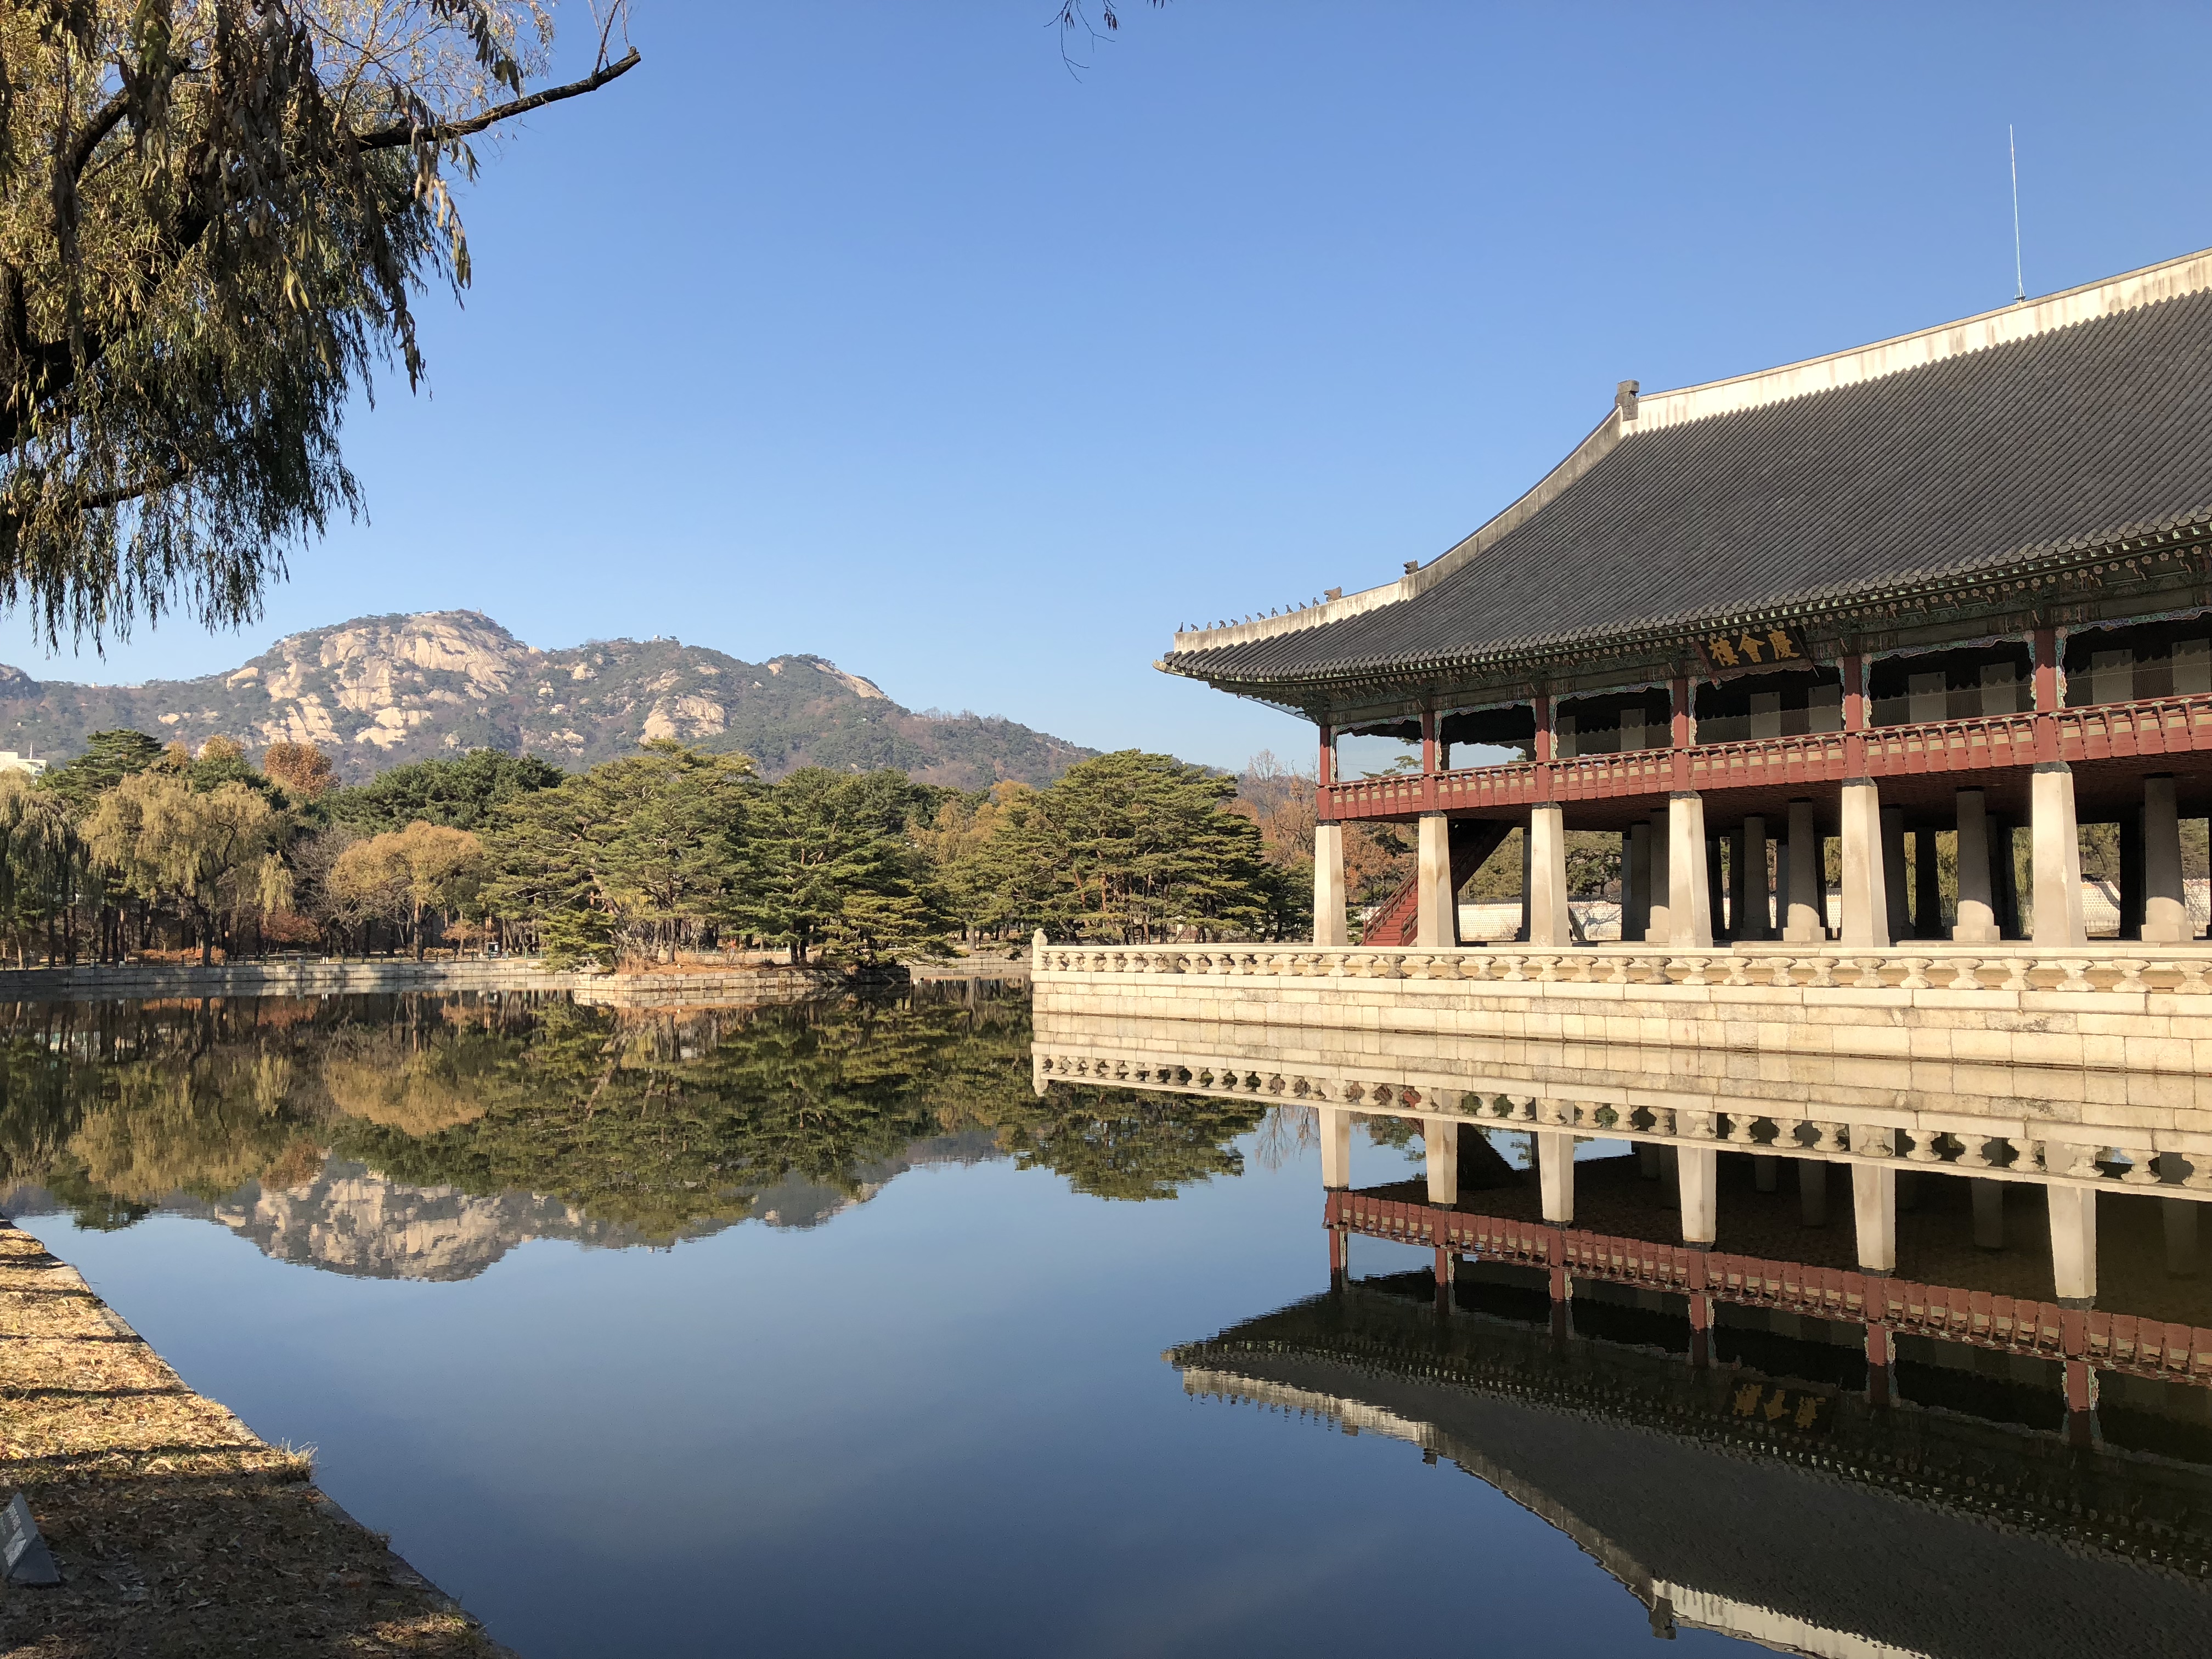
(381, 690)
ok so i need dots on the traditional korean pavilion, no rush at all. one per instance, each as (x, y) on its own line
(1953, 581)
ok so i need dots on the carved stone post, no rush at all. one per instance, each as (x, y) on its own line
(1873, 1213)
(1335, 1147)
(2072, 1243)
(2165, 905)
(1754, 917)
(1806, 921)
(1436, 915)
(2056, 856)
(1634, 881)
(1555, 1172)
(1689, 895)
(1548, 924)
(1696, 1169)
(1976, 922)
(1989, 1213)
(1330, 926)
(1895, 874)
(1812, 1192)
(1866, 907)
(1441, 1138)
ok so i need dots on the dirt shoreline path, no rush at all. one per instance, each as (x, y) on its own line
(178, 1530)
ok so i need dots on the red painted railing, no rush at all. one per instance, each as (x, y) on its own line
(2100, 732)
(2015, 1324)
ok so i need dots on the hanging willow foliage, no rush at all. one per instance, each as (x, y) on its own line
(212, 214)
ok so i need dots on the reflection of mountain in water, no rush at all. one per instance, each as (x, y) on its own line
(350, 1220)
(422, 1136)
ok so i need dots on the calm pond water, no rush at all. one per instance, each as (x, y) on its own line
(816, 1331)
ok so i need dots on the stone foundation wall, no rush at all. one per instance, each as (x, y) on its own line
(2114, 1065)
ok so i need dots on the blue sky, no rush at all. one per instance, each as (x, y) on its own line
(869, 330)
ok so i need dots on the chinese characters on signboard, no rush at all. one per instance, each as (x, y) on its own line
(1751, 647)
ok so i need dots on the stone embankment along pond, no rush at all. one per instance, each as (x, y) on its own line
(176, 1529)
(739, 986)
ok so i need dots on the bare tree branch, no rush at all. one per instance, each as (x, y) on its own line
(408, 132)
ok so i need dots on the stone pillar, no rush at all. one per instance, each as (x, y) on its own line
(1650, 1159)
(1865, 910)
(2165, 905)
(1330, 926)
(1548, 924)
(2004, 877)
(1989, 1213)
(1695, 1169)
(2057, 857)
(2131, 828)
(1634, 881)
(1716, 897)
(1766, 1172)
(1527, 887)
(1658, 915)
(1976, 922)
(1754, 917)
(1689, 890)
(1805, 921)
(1812, 1192)
(1873, 1213)
(1731, 919)
(1440, 1137)
(1335, 1146)
(1555, 1173)
(1895, 874)
(1927, 886)
(1435, 916)
(2179, 1215)
(2073, 1244)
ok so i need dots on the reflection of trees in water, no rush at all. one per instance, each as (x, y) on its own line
(658, 1121)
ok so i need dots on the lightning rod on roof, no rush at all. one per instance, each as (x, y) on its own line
(2019, 282)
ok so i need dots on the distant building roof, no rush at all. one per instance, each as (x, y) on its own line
(2047, 427)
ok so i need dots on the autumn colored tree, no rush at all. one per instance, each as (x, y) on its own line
(217, 851)
(408, 872)
(303, 769)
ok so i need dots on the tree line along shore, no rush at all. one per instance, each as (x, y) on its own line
(138, 850)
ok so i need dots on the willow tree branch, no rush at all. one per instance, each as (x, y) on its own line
(409, 132)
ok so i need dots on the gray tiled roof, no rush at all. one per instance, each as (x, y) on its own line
(2072, 437)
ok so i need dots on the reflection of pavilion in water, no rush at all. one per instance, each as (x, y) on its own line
(1830, 1364)
(1753, 1478)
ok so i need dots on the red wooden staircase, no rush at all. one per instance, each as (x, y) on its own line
(1473, 842)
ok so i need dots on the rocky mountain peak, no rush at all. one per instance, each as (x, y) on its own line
(379, 690)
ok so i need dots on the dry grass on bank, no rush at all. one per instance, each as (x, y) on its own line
(178, 1531)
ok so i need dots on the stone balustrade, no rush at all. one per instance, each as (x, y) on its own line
(2120, 968)
(1957, 1141)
